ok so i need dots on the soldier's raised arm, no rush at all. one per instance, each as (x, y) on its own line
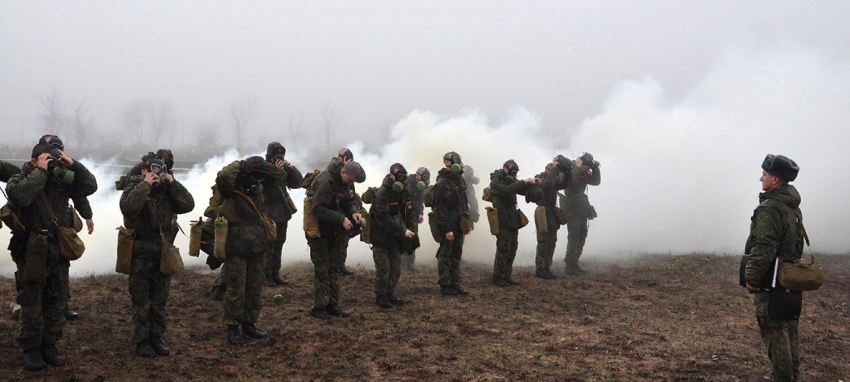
(23, 189)
(226, 178)
(135, 195)
(85, 184)
(7, 170)
(183, 202)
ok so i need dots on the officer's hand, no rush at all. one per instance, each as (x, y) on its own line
(347, 224)
(287, 164)
(357, 217)
(90, 225)
(43, 160)
(408, 234)
(278, 163)
(530, 181)
(421, 219)
(65, 159)
(150, 177)
(169, 178)
(752, 289)
(450, 236)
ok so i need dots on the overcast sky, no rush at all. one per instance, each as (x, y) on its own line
(377, 61)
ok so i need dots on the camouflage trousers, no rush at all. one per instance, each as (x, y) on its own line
(149, 289)
(545, 249)
(43, 302)
(448, 260)
(506, 247)
(343, 247)
(327, 256)
(244, 278)
(273, 257)
(220, 280)
(576, 236)
(782, 340)
(409, 259)
(387, 268)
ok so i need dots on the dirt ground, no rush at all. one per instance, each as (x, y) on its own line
(657, 318)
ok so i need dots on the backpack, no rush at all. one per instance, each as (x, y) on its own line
(486, 195)
(428, 196)
(369, 195)
(309, 178)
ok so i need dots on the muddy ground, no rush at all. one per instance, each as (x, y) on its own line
(658, 318)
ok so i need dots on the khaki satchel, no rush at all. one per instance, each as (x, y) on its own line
(126, 238)
(195, 231)
(170, 261)
(541, 220)
(465, 222)
(8, 217)
(366, 229)
(269, 224)
(562, 216)
(35, 263)
(800, 276)
(486, 196)
(311, 222)
(78, 222)
(290, 205)
(523, 220)
(71, 246)
(493, 219)
(220, 239)
(435, 227)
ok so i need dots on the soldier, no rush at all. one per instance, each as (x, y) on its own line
(345, 155)
(775, 233)
(167, 157)
(241, 185)
(450, 206)
(553, 178)
(280, 209)
(471, 180)
(335, 207)
(585, 172)
(391, 214)
(39, 193)
(7, 171)
(415, 186)
(149, 202)
(504, 187)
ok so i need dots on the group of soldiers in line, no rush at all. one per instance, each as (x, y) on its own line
(252, 195)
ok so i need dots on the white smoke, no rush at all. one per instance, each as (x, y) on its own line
(678, 175)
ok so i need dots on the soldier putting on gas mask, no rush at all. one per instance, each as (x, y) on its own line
(585, 172)
(452, 222)
(40, 195)
(504, 187)
(548, 218)
(280, 209)
(149, 203)
(391, 217)
(416, 185)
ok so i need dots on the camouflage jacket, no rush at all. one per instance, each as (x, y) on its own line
(148, 209)
(276, 195)
(391, 214)
(333, 200)
(7, 170)
(551, 184)
(774, 233)
(503, 192)
(25, 189)
(415, 195)
(450, 201)
(578, 205)
(213, 210)
(245, 233)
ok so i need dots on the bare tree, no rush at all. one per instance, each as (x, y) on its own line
(240, 114)
(295, 126)
(332, 118)
(262, 139)
(83, 124)
(161, 121)
(206, 134)
(52, 116)
(133, 117)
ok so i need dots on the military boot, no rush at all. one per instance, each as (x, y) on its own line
(344, 271)
(159, 347)
(459, 289)
(395, 300)
(217, 293)
(383, 302)
(251, 331)
(501, 282)
(279, 280)
(541, 274)
(234, 336)
(144, 349)
(33, 360)
(335, 310)
(572, 271)
(448, 290)
(513, 282)
(551, 275)
(269, 282)
(71, 315)
(320, 313)
(580, 270)
(50, 354)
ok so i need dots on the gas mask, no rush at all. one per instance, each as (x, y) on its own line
(157, 166)
(255, 184)
(424, 176)
(61, 174)
(400, 178)
(421, 185)
(457, 163)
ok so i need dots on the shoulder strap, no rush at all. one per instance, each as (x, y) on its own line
(49, 208)
(800, 219)
(252, 203)
(155, 215)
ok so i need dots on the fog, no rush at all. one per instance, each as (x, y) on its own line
(679, 102)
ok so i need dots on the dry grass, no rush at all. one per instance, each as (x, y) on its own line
(659, 318)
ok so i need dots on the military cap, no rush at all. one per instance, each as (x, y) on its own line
(275, 148)
(781, 167)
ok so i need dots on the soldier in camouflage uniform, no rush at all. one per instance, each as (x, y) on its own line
(149, 202)
(391, 214)
(554, 178)
(54, 176)
(280, 209)
(450, 203)
(504, 187)
(336, 208)
(345, 155)
(471, 180)
(775, 234)
(415, 186)
(585, 172)
(241, 184)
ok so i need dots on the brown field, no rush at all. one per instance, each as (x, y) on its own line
(658, 318)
